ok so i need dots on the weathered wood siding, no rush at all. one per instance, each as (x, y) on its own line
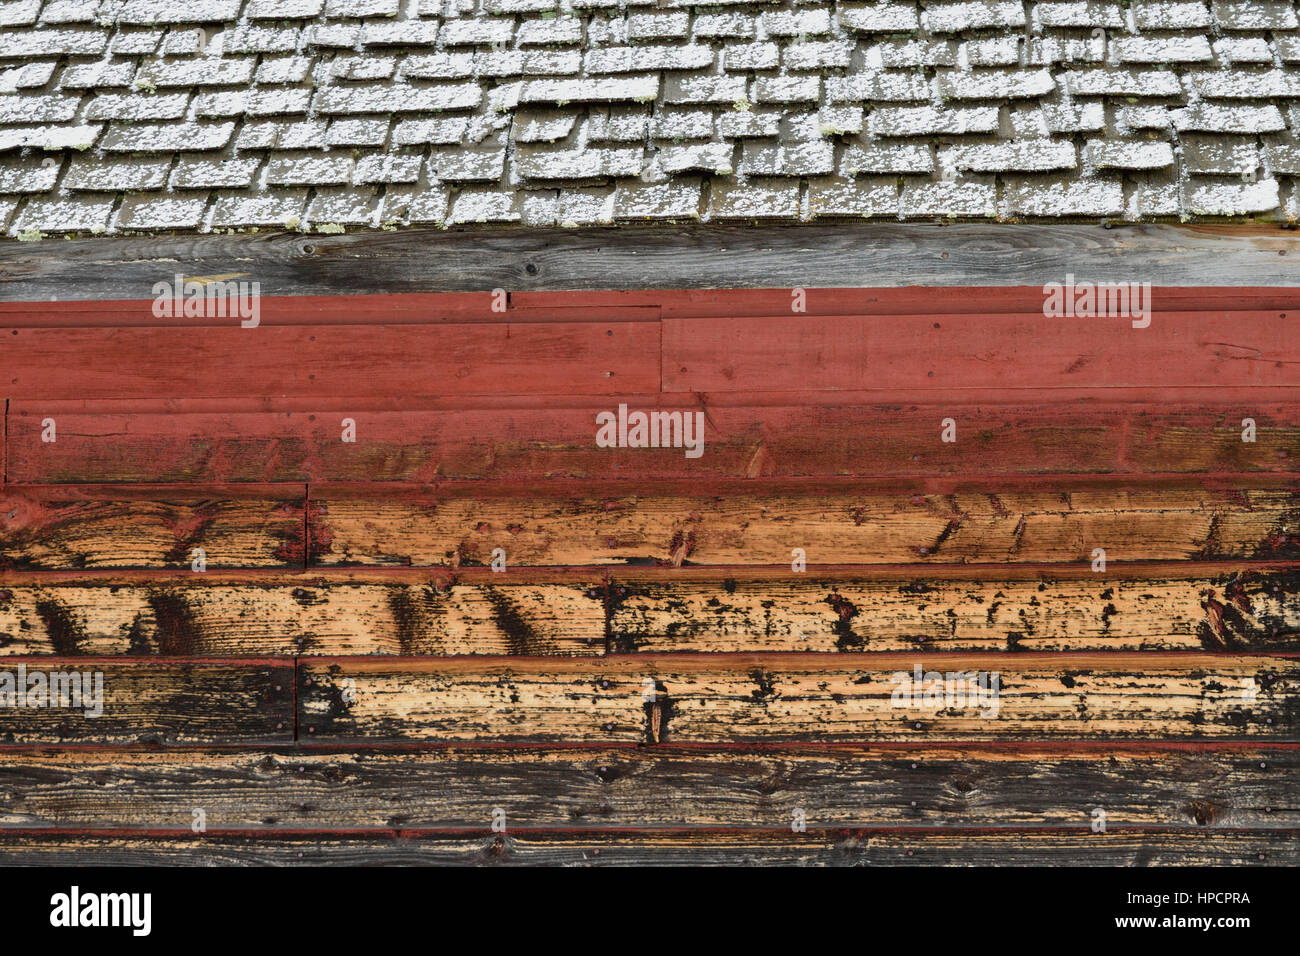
(473, 636)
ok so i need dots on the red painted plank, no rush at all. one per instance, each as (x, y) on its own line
(895, 435)
(978, 351)
(444, 307)
(914, 300)
(544, 358)
(438, 308)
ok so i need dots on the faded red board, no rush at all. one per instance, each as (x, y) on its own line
(915, 300)
(866, 434)
(443, 307)
(220, 362)
(767, 353)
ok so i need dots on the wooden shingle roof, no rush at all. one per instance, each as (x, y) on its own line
(129, 116)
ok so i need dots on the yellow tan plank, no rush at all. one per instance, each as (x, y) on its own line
(750, 527)
(236, 614)
(744, 697)
(80, 528)
(1176, 607)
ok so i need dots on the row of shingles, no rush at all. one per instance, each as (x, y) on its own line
(356, 115)
(1034, 104)
(646, 26)
(703, 109)
(98, 45)
(212, 116)
(695, 108)
(460, 159)
(623, 45)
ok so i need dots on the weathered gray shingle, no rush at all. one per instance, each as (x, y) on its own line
(141, 115)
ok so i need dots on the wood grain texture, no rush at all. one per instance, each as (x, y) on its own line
(1182, 607)
(418, 308)
(634, 788)
(650, 681)
(159, 702)
(798, 435)
(328, 360)
(61, 528)
(727, 698)
(753, 523)
(906, 300)
(846, 847)
(243, 615)
(754, 354)
(699, 256)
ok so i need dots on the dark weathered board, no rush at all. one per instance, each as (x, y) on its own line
(764, 353)
(724, 698)
(658, 255)
(630, 787)
(329, 360)
(1181, 606)
(431, 440)
(762, 523)
(1115, 847)
(338, 613)
(66, 527)
(156, 702)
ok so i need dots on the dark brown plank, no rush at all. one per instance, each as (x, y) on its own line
(597, 789)
(154, 702)
(814, 848)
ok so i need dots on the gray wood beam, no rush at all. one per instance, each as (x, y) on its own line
(660, 256)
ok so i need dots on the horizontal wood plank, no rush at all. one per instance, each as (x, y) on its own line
(602, 305)
(329, 360)
(752, 523)
(60, 528)
(599, 789)
(978, 351)
(150, 702)
(659, 255)
(1178, 607)
(717, 698)
(237, 615)
(801, 436)
(911, 300)
(726, 848)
